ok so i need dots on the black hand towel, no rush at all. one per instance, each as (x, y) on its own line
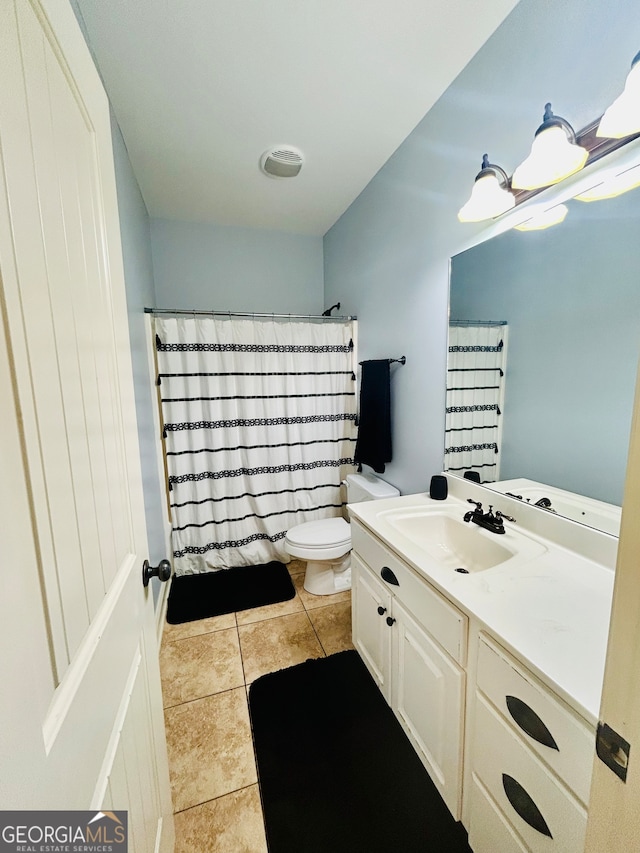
(373, 446)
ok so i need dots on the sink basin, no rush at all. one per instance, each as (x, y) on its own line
(451, 542)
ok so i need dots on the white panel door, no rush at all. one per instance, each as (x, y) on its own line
(81, 722)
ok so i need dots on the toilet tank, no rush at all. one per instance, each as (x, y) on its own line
(368, 487)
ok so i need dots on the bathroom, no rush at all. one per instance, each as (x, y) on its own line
(386, 258)
(389, 253)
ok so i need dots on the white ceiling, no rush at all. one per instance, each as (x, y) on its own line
(201, 88)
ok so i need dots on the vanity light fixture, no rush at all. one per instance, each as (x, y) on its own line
(490, 195)
(544, 218)
(554, 155)
(622, 118)
(612, 184)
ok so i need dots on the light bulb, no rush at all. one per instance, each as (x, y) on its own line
(553, 157)
(623, 116)
(489, 198)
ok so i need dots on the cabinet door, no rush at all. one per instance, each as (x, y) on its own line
(371, 606)
(428, 699)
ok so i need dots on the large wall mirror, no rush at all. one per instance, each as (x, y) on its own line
(570, 296)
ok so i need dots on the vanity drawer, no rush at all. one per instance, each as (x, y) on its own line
(541, 810)
(535, 713)
(489, 831)
(442, 620)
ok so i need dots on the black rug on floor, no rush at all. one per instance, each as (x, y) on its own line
(208, 594)
(337, 773)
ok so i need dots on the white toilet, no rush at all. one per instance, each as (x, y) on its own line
(326, 544)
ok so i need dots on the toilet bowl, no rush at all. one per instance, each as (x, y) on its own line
(326, 544)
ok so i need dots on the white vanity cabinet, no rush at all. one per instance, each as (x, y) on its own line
(413, 641)
(507, 737)
(531, 759)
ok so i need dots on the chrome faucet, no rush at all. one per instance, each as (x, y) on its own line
(488, 520)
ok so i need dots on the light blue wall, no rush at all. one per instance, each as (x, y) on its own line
(387, 258)
(571, 296)
(138, 272)
(204, 266)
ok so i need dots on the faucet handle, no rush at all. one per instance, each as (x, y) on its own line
(501, 515)
(478, 505)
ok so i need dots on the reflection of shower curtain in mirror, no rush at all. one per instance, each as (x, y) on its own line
(259, 432)
(475, 398)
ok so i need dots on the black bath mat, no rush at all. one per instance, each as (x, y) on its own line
(337, 773)
(208, 594)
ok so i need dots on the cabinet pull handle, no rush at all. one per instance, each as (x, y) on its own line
(524, 805)
(387, 575)
(382, 611)
(390, 620)
(530, 722)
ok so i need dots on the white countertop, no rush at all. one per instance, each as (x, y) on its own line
(552, 611)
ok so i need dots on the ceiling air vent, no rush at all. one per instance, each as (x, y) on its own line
(281, 162)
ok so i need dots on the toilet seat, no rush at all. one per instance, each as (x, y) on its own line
(325, 539)
(323, 533)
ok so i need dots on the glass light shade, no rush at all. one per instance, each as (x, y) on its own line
(544, 219)
(612, 185)
(623, 116)
(553, 157)
(489, 198)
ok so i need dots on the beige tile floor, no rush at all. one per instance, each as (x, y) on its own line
(206, 668)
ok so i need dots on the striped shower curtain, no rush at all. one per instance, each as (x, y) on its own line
(475, 398)
(259, 430)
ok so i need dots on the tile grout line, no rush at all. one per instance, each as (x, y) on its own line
(244, 672)
(253, 746)
(166, 640)
(307, 609)
(197, 636)
(206, 696)
(313, 628)
(214, 799)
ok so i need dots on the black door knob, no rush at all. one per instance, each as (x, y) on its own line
(390, 620)
(161, 571)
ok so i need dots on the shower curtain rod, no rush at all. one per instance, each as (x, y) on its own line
(247, 314)
(477, 322)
